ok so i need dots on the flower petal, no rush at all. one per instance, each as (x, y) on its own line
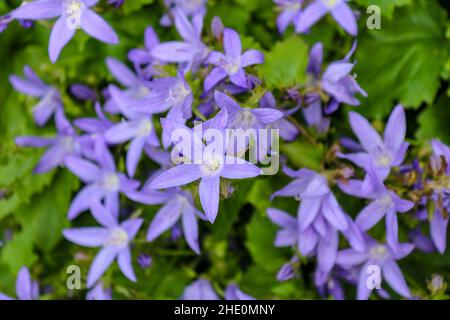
(59, 37)
(209, 191)
(87, 237)
(101, 262)
(97, 27)
(177, 176)
(166, 217)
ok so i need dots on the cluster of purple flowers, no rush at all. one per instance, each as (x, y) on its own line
(146, 93)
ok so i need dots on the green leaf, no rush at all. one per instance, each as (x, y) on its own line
(386, 6)
(433, 121)
(403, 61)
(285, 65)
(135, 5)
(303, 154)
(260, 242)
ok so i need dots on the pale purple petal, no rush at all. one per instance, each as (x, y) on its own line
(333, 212)
(101, 262)
(103, 215)
(240, 171)
(134, 154)
(39, 10)
(166, 217)
(366, 134)
(209, 191)
(345, 17)
(394, 277)
(132, 227)
(252, 57)
(83, 200)
(281, 218)
(121, 132)
(177, 176)
(24, 285)
(59, 37)
(313, 13)
(267, 116)
(307, 212)
(121, 72)
(125, 265)
(232, 43)
(97, 27)
(87, 237)
(438, 231)
(190, 228)
(216, 75)
(371, 214)
(85, 170)
(394, 134)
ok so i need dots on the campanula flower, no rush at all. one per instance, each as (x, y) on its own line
(382, 153)
(291, 11)
(65, 144)
(112, 237)
(381, 256)
(142, 58)
(50, 98)
(200, 290)
(72, 15)
(232, 63)
(189, 53)
(137, 128)
(102, 180)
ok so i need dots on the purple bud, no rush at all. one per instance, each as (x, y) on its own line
(286, 272)
(217, 27)
(26, 23)
(116, 3)
(83, 92)
(176, 232)
(144, 260)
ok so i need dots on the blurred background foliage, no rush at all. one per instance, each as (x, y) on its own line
(407, 62)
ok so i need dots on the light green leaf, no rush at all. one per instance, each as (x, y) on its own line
(403, 61)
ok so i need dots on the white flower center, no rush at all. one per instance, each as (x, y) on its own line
(74, 9)
(178, 92)
(211, 165)
(329, 3)
(292, 6)
(378, 252)
(231, 66)
(111, 182)
(145, 128)
(68, 144)
(141, 92)
(243, 120)
(118, 237)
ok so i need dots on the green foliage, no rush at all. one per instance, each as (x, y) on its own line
(403, 61)
(282, 68)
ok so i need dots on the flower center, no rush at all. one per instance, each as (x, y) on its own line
(141, 92)
(231, 66)
(68, 143)
(378, 252)
(74, 9)
(211, 165)
(243, 120)
(292, 6)
(145, 128)
(329, 3)
(178, 92)
(118, 238)
(111, 182)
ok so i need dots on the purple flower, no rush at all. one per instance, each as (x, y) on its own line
(232, 63)
(288, 235)
(190, 8)
(99, 292)
(319, 219)
(143, 59)
(73, 15)
(208, 163)
(246, 118)
(26, 288)
(381, 256)
(173, 94)
(383, 154)
(287, 270)
(200, 290)
(136, 87)
(290, 13)
(233, 292)
(441, 194)
(94, 129)
(217, 27)
(339, 9)
(190, 53)
(102, 179)
(286, 129)
(178, 205)
(65, 144)
(112, 237)
(83, 92)
(144, 260)
(50, 99)
(4, 22)
(385, 203)
(336, 81)
(137, 128)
